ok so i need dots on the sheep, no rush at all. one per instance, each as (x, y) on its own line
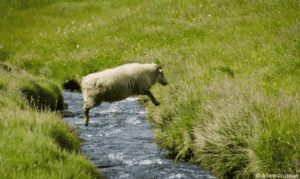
(119, 83)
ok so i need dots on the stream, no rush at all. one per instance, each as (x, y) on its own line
(118, 140)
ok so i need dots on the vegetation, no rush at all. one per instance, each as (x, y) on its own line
(233, 68)
(34, 141)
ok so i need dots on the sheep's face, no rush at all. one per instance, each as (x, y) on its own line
(161, 78)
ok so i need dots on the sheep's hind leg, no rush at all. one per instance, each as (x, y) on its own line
(86, 115)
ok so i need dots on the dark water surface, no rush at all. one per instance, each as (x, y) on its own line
(118, 141)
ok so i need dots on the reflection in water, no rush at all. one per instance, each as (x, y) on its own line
(118, 141)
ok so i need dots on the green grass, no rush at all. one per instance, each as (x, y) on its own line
(233, 68)
(35, 142)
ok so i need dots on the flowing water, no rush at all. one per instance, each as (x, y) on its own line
(118, 140)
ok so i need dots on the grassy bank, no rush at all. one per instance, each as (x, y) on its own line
(35, 142)
(232, 103)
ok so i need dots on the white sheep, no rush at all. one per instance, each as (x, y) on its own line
(119, 83)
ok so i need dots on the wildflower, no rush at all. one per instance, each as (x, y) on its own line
(286, 91)
(181, 11)
(209, 15)
(90, 24)
(77, 46)
(264, 50)
(246, 60)
(265, 70)
(72, 22)
(274, 84)
(263, 83)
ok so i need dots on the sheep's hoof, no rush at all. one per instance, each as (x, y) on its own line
(86, 124)
(157, 104)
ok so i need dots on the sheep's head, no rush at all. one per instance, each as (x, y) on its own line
(160, 76)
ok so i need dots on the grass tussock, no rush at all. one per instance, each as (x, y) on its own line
(232, 100)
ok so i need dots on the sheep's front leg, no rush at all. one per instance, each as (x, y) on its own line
(154, 101)
(86, 115)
